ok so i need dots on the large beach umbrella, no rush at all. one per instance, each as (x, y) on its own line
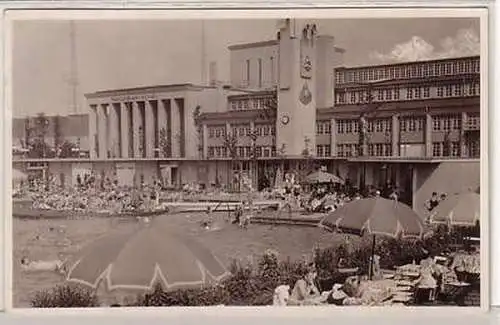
(323, 177)
(458, 210)
(139, 259)
(375, 216)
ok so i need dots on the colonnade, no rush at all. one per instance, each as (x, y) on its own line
(137, 129)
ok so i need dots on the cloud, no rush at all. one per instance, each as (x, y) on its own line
(464, 43)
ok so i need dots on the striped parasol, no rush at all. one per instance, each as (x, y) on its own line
(375, 216)
(138, 259)
(458, 210)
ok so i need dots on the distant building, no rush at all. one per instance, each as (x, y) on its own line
(290, 102)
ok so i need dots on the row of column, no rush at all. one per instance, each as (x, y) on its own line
(135, 129)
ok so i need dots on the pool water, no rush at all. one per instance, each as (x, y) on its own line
(48, 239)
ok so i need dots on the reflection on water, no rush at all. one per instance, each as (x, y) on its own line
(49, 239)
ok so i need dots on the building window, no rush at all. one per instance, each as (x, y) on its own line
(328, 127)
(380, 95)
(258, 151)
(353, 97)
(348, 127)
(397, 72)
(211, 152)
(319, 151)
(241, 151)
(409, 93)
(427, 92)
(396, 93)
(447, 67)
(418, 92)
(211, 132)
(456, 122)
(370, 74)
(458, 90)
(473, 121)
(319, 128)
(266, 152)
(388, 94)
(446, 123)
(371, 150)
(448, 90)
(455, 149)
(473, 149)
(440, 91)
(328, 150)
(436, 123)
(341, 98)
(341, 126)
(425, 69)
(437, 149)
(340, 150)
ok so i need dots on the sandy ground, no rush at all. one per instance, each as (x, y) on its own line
(227, 241)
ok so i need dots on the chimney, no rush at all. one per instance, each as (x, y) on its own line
(212, 73)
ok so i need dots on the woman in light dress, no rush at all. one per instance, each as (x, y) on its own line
(305, 291)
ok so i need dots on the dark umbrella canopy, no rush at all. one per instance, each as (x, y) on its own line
(458, 210)
(140, 258)
(376, 216)
(323, 177)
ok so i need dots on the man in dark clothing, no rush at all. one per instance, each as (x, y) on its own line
(433, 201)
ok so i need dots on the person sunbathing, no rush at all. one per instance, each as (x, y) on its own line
(305, 291)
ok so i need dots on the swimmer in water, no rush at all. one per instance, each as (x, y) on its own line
(58, 266)
(207, 223)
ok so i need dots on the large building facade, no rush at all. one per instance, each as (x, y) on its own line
(291, 101)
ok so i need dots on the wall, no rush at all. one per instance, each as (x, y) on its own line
(446, 177)
(302, 116)
(328, 58)
(238, 68)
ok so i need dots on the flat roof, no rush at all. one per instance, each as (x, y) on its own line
(252, 45)
(154, 88)
(364, 66)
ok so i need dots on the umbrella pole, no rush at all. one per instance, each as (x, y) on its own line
(371, 260)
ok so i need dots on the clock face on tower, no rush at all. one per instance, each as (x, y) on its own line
(285, 119)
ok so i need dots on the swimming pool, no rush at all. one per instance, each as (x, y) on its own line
(227, 241)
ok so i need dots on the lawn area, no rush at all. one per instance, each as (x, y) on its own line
(227, 241)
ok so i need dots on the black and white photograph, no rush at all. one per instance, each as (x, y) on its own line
(257, 161)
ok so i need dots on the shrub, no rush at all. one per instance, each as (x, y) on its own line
(253, 285)
(65, 296)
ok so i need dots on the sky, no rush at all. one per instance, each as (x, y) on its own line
(132, 53)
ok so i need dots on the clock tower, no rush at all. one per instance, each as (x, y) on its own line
(296, 116)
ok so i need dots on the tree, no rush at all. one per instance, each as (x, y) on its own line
(231, 146)
(165, 145)
(68, 150)
(28, 130)
(271, 107)
(58, 140)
